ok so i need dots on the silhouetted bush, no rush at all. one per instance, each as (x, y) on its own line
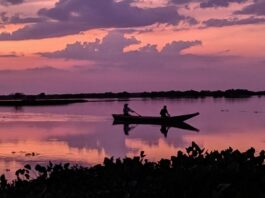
(195, 173)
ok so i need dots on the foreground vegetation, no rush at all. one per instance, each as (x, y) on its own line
(195, 173)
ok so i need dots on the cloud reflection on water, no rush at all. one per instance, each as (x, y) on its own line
(83, 133)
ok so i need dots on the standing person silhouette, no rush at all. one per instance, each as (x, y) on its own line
(126, 110)
(164, 113)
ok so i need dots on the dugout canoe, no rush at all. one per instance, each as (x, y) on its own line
(120, 118)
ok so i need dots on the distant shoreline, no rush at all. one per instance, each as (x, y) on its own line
(231, 93)
(39, 102)
(20, 99)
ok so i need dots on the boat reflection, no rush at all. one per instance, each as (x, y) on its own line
(164, 128)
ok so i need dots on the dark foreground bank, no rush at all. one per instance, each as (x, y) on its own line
(196, 173)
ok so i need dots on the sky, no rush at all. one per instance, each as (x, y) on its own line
(74, 46)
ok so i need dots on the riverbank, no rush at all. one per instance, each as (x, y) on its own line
(231, 93)
(195, 173)
(39, 102)
(42, 99)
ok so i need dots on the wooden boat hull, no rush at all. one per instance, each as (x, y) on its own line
(120, 118)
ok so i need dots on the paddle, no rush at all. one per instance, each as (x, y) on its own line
(137, 114)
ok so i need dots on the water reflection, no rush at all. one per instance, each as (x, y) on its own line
(84, 134)
(154, 152)
(164, 128)
(42, 151)
(127, 128)
(46, 117)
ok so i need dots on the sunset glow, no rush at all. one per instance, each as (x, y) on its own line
(165, 36)
(132, 98)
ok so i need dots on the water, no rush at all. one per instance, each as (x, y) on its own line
(83, 133)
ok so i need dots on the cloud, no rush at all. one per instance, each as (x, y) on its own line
(18, 19)
(11, 55)
(111, 50)
(219, 3)
(256, 8)
(146, 68)
(233, 21)
(11, 2)
(111, 47)
(208, 3)
(177, 46)
(191, 21)
(74, 16)
(3, 17)
(180, 2)
(8, 56)
(43, 69)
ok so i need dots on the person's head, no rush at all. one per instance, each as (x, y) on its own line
(165, 106)
(125, 105)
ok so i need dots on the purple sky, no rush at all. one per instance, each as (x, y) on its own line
(71, 46)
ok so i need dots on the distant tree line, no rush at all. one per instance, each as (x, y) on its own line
(231, 93)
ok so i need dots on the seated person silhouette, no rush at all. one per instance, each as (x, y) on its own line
(164, 113)
(126, 110)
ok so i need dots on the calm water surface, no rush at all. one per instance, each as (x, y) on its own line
(83, 133)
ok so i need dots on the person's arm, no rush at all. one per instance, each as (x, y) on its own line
(130, 110)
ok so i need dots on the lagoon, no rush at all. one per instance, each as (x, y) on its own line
(83, 133)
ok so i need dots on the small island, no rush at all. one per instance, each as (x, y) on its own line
(39, 102)
(20, 99)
